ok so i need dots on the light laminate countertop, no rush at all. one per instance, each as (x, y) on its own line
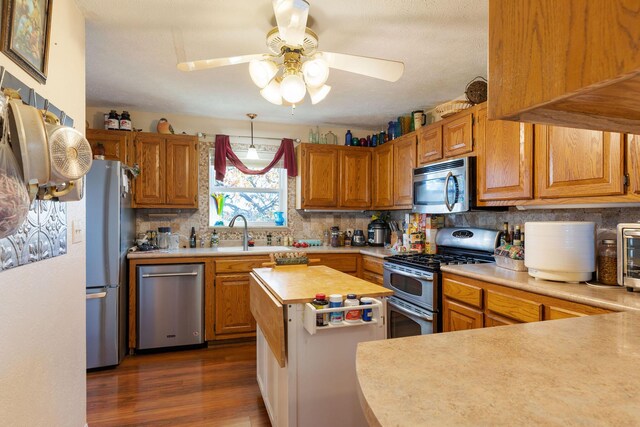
(222, 251)
(580, 371)
(615, 298)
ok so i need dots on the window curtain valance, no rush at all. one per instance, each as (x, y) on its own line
(223, 152)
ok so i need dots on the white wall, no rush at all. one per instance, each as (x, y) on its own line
(42, 305)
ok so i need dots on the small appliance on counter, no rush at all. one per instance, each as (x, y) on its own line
(629, 256)
(378, 233)
(561, 251)
(358, 238)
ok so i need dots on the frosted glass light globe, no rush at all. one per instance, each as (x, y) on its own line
(293, 88)
(315, 71)
(262, 71)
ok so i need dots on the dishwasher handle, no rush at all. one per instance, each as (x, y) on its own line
(193, 273)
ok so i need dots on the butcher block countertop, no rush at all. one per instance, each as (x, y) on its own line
(300, 284)
(614, 298)
(580, 371)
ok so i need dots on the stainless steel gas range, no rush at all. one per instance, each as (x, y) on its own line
(415, 308)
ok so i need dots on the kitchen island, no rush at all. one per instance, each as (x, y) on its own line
(306, 372)
(580, 371)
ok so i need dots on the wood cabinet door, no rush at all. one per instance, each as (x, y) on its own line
(232, 313)
(182, 171)
(404, 160)
(491, 320)
(150, 156)
(430, 143)
(319, 176)
(633, 164)
(458, 317)
(505, 159)
(115, 143)
(382, 164)
(355, 178)
(457, 135)
(578, 162)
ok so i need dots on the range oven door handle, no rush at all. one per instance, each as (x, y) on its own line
(404, 273)
(409, 312)
(446, 192)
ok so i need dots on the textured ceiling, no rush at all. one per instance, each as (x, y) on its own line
(133, 47)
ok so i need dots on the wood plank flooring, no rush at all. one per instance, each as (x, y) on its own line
(206, 387)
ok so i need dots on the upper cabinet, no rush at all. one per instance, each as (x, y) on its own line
(383, 177)
(633, 164)
(404, 160)
(355, 178)
(116, 145)
(317, 176)
(505, 159)
(572, 63)
(430, 143)
(578, 163)
(457, 134)
(168, 171)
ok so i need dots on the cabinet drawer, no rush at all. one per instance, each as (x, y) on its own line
(239, 265)
(463, 292)
(514, 308)
(372, 277)
(344, 263)
(373, 265)
(555, 313)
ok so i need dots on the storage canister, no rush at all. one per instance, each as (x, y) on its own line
(608, 262)
(163, 237)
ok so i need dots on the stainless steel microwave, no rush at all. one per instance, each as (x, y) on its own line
(444, 187)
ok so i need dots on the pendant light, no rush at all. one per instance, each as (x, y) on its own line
(252, 153)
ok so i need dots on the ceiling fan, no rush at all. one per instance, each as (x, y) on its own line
(293, 65)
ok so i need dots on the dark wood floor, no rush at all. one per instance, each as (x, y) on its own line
(213, 387)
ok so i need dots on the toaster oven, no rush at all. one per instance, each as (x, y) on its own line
(629, 256)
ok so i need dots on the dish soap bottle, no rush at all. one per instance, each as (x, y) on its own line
(215, 239)
(192, 238)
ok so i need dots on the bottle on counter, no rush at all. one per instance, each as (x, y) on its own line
(192, 238)
(319, 303)
(347, 240)
(511, 233)
(505, 233)
(517, 236)
(215, 239)
(269, 238)
(352, 316)
(335, 300)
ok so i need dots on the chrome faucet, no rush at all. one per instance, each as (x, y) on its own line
(245, 238)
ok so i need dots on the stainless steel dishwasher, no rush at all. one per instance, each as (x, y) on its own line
(170, 305)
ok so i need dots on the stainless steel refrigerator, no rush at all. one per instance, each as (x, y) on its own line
(110, 232)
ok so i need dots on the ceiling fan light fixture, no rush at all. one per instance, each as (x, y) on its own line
(292, 88)
(271, 92)
(315, 71)
(262, 72)
(317, 94)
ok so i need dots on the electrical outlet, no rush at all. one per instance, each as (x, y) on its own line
(77, 231)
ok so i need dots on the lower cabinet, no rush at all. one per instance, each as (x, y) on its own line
(470, 303)
(232, 312)
(372, 270)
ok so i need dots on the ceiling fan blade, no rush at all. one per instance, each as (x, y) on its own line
(383, 69)
(291, 16)
(203, 64)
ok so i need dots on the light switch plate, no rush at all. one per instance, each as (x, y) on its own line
(77, 231)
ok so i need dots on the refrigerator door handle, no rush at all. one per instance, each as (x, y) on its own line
(97, 295)
(195, 273)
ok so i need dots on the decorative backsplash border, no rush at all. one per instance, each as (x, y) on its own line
(42, 235)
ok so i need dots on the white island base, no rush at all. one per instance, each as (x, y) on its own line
(318, 384)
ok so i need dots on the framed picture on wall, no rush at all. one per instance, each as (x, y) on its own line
(25, 34)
